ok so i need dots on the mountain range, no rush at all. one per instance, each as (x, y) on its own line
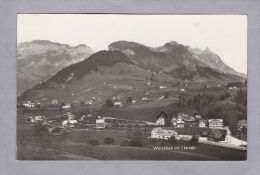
(126, 68)
(38, 60)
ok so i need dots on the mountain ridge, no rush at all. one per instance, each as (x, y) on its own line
(38, 60)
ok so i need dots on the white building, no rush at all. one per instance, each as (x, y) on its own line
(215, 123)
(29, 104)
(202, 124)
(70, 123)
(66, 106)
(162, 133)
(100, 122)
(179, 123)
(161, 119)
(54, 101)
(118, 103)
(163, 87)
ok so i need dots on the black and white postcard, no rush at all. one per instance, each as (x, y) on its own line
(131, 87)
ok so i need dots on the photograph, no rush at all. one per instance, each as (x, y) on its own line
(162, 87)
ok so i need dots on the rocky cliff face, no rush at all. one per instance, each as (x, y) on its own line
(214, 61)
(38, 60)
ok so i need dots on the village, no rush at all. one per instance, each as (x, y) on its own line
(180, 126)
(138, 121)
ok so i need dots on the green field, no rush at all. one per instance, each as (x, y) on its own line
(74, 145)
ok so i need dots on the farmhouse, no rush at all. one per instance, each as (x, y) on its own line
(163, 133)
(215, 123)
(118, 104)
(35, 119)
(100, 122)
(70, 123)
(179, 123)
(162, 119)
(66, 106)
(54, 101)
(202, 123)
(29, 104)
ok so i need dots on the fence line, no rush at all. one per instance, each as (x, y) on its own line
(223, 145)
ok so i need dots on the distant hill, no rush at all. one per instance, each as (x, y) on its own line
(177, 60)
(128, 69)
(156, 59)
(38, 60)
(214, 61)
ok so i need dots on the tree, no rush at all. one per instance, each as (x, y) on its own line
(109, 141)
(166, 96)
(136, 143)
(109, 103)
(93, 142)
(224, 96)
(241, 97)
(172, 140)
(194, 140)
(129, 100)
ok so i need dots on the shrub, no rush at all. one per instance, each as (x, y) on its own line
(136, 143)
(194, 140)
(125, 143)
(93, 142)
(109, 141)
(224, 96)
(109, 103)
(172, 140)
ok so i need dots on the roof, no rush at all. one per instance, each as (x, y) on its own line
(165, 130)
(73, 121)
(162, 114)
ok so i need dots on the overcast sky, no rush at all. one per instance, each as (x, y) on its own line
(225, 35)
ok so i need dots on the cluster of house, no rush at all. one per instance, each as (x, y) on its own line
(30, 104)
(70, 121)
(184, 120)
(163, 133)
(35, 119)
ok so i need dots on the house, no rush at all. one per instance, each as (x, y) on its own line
(146, 99)
(188, 118)
(35, 119)
(198, 117)
(39, 118)
(174, 121)
(181, 116)
(190, 121)
(202, 123)
(163, 87)
(235, 85)
(70, 116)
(29, 104)
(241, 124)
(100, 122)
(54, 101)
(162, 119)
(69, 123)
(91, 101)
(66, 106)
(179, 123)
(162, 133)
(215, 123)
(118, 104)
